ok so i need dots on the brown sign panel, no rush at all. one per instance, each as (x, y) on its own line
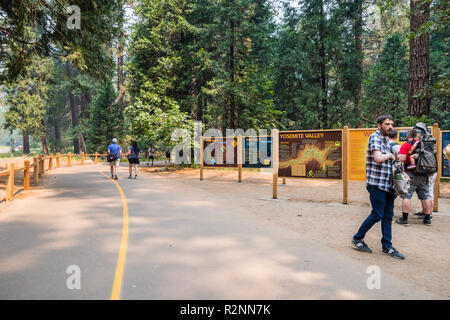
(310, 154)
(220, 152)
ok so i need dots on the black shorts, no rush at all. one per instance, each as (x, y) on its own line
(134, 161)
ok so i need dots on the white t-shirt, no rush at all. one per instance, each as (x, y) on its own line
(151, 151)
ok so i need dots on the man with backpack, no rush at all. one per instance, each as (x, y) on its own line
(379, 185)
(420, 177)
(114, 154)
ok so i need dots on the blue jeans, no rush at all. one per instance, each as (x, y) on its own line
(382, 209)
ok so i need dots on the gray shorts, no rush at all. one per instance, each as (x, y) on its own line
(420, 185)
(114, 163)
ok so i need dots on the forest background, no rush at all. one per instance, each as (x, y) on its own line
(141, 69)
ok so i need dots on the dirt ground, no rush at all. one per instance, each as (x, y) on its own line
(314, 209)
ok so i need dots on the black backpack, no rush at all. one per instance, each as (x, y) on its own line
(427, 162)
(111, 157)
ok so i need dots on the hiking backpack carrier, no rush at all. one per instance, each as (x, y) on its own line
(427, 162)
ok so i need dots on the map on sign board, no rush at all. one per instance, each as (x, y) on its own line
(257, 152)
(310, 154)
(445, 154)
(220, 152)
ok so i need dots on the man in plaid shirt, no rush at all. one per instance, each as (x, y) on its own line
(378, 183)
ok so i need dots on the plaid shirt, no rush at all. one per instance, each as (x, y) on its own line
(378, 174)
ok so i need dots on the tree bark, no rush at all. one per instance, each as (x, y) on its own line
(419, 60)
(44, 139)
(232, 101)
(358, 32)
(120, 62)
(26, 143)
(73, 109)
(322, 65)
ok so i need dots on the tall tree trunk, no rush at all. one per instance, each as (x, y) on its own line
(120, 75)
(57, 131)
(44, 138)
(322, 63)
(26, 143)
(82, 142)
(358, 32)
(73, 108)
(232, 101)
(43, 131)
(80, 111)
(419, 61)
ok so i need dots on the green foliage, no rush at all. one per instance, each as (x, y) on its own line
(386, 83)
(25, 99)
(153, 125)
(212, 57)
(410, 121)
(39, 28)
(105, 119)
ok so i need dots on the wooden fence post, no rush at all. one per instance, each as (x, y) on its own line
(41, 165)
(69, 155)
(239, 158)
(275, 157)
(58, 160)
(26, 175)
(201, 158)
(82, 158)
(50, 162)
(96, 157)
(35, 170)
(436, 132)
(345, 137)
(10, 182)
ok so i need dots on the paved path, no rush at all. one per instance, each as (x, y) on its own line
(179, 246)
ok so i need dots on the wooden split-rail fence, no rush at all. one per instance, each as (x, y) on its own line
(38, 167)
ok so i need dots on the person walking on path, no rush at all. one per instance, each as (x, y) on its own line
(168, 155)
(420, 185)
(151, 154)
(379, 185)
(133, 158)
(114, 154)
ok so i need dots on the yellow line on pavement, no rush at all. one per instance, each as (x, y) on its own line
(115, 294)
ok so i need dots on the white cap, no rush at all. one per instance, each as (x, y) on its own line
(114, 140)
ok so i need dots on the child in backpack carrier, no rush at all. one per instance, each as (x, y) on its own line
(412, 156)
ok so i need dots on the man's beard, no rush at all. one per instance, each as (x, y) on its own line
(385, 132)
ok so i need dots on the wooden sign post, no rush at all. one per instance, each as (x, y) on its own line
(275, 159)
(26, 175)
(69, 155)
(82, 158)
(239, 158)
(35, 170)
(436, 132)
(345, 140)
(58, 160)
(201, 158)
(10, 182)
(41, 165)
(96, 157)
(50, 163)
